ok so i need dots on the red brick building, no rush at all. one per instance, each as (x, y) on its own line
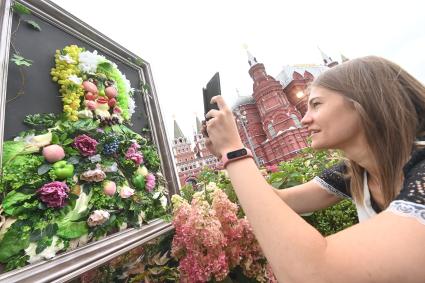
(269, 120)
(190, 157)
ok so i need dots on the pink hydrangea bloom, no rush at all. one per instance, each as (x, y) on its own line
(54, 194)
(85, 145)
(210, 240)
(150, 182)
(133, 154)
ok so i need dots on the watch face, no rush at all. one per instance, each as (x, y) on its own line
(237, 153)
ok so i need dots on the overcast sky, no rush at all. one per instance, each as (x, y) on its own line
(187, 41)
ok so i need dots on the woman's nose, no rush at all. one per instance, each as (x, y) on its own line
(306, 119)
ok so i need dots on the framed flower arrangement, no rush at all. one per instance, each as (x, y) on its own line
(85, 156)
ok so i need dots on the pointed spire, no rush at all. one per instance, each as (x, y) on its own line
(326, 59)
(177, 131)
(343, 58)
(198, 126)
(251, 59)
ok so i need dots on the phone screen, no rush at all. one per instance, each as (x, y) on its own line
(212, 89)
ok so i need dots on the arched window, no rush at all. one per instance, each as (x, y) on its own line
(296, 121)
(271, 129)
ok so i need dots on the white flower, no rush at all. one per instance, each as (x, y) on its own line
(123, 226)
(76, 80)
(66, 58)
(95, 158)
(126, 192)
(98, 217)
(89, 61)
(47, 253)
(85, 114)
(127, 84)
(164, 201)
(112, 168)
(156, 195)
(131, 105)
(211, 186)
(141, 217)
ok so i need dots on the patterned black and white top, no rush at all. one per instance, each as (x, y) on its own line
(410, 201)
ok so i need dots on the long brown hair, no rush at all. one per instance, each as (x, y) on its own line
(391, 105)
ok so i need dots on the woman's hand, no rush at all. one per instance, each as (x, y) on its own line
(222, 131)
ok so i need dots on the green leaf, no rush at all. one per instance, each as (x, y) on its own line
(21, 61)
(72, 230)
(10, 245)
(20, 9)
(43, 169)
(34, 25)
(73, 160)
(55, 138)
(11, 204)
(67, 141)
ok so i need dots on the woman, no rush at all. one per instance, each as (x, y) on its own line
(374, 112)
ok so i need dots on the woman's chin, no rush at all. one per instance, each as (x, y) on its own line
(317, 145)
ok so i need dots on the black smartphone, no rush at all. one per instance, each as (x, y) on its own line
(212, 89)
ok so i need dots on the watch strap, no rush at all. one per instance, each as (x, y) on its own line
(236, 155)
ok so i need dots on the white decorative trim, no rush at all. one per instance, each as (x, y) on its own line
(329, 188)
(407, 208)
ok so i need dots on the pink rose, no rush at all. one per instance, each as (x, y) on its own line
(126, 192)
(54, 194)
(85, 145)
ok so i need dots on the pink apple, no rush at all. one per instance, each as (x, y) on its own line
(90, 96)
(111, 92)
(90, 87)
(109, 188)
(53, 153)
(112, 102)
(90, 104)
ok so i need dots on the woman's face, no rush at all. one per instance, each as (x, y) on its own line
(332, 121)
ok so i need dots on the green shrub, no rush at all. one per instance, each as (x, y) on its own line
(304, 168)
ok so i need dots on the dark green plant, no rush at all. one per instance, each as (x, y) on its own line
(301, 169)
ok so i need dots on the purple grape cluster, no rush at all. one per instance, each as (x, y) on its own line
(108, 121)
(111, 146)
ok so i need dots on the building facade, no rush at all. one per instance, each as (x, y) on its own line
(190, 157)
(268, 120)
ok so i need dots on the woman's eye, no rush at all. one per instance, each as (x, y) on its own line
(315, 104)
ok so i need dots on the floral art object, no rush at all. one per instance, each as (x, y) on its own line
(81, 175)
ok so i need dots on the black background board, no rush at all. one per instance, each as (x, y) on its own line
(41, 94)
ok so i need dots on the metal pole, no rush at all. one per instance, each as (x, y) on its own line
(250, 142)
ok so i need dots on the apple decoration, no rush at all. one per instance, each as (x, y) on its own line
(90, 87)
(53, 153)
(90, 104)
(112, 102)
(109, 188)
(90, 96)
(111, 92)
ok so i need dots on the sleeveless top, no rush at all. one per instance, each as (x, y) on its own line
(410, 202)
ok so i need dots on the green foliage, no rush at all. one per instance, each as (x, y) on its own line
(22, 170)
(304, 168)
(20, 9)
(13, 201)
(21, 61)
(47, 120)
(34, 25)
(9, 246)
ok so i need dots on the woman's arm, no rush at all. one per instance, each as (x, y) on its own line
(387, 248)
(308, 197)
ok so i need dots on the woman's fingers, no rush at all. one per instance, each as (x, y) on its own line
(212, 114)
(218, 99)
